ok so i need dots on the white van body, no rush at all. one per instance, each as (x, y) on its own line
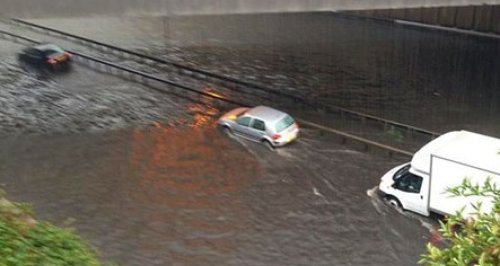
(420, 186)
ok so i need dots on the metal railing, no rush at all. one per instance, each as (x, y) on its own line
(142, 75)
(225, 80)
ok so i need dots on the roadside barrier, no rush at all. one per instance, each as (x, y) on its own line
(237, 84)
(173, 87)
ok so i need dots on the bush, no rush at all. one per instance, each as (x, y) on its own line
(469, 241)
(23, 241)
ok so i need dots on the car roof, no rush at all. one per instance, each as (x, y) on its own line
(47, 46)
(266, 113)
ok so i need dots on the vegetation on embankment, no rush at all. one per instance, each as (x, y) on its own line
(474, 242)
(24, 241)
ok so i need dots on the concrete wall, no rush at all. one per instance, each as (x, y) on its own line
(483, 18)
(46, 8)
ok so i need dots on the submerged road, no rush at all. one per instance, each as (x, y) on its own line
(189, 195)
(147, 179)
(163, 196)
(435, 80)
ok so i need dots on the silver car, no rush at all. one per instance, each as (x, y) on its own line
(261, 124)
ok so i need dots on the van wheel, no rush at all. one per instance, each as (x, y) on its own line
(394, 202)
(268, 145)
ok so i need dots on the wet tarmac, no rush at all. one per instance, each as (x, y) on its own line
(148, 180)
(161, 196)
(437, 80)
(37, 101)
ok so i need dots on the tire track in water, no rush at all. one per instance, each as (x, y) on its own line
(318, 170)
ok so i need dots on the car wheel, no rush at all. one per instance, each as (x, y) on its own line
(227, 131)
(268, 145)
(394, 202)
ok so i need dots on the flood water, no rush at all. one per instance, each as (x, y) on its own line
(433, 79)
(161, 196)
(147, 179)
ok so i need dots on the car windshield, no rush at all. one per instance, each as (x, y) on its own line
(284, 123)
(401, 172)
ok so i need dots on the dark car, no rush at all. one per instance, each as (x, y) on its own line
(46, 55)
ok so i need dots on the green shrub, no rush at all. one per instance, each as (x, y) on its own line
(24, 241)
(470, 242)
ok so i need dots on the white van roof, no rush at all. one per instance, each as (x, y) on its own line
(462, 146)
(473, 149)
(421, 161)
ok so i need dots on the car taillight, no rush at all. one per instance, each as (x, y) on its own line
(276, 136)
(297, 124)
(51, 61)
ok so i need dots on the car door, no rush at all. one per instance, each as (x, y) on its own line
(257, 129)
(41, 57)
(242, 127)
(28, 55)
(35, 56)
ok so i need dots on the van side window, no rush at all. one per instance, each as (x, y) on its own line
(244, 121)
(409, 183)
(259, 125)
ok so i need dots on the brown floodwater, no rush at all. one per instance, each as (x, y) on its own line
(193, 196)
(147, 179)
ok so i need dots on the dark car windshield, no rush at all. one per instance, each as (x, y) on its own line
(401, 172)
(284, 123)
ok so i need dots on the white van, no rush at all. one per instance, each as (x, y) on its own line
(420, 185)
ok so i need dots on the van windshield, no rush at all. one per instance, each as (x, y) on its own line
(401, 172)
(284, 123)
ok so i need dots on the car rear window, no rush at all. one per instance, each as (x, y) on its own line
(284, 123)
(52, 50)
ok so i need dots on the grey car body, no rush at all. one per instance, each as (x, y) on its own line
(261, 124)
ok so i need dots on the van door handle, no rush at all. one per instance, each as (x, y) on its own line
(421, 197)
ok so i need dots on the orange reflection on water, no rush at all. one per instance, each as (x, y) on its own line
(194, 160)
(212, 92)
(202, 114)
(192, 177)
(216, 95)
